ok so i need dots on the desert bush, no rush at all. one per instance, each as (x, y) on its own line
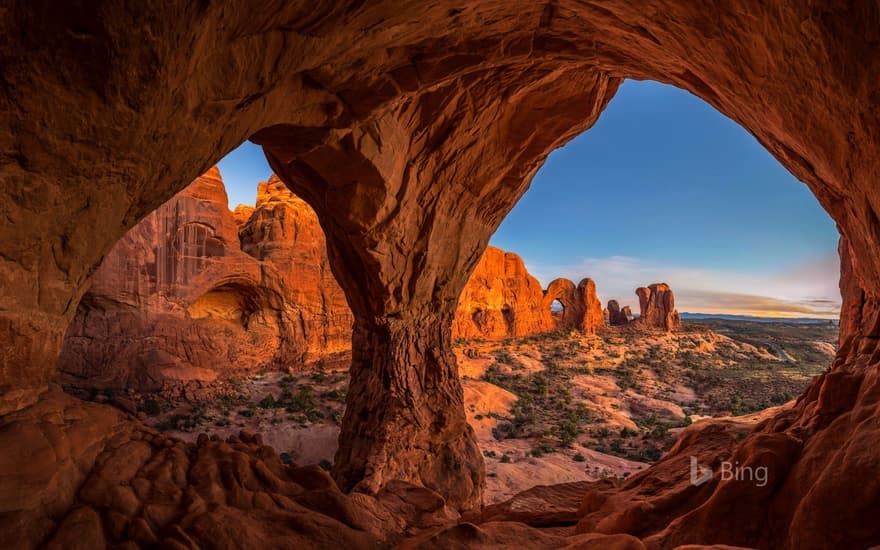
(151, 407)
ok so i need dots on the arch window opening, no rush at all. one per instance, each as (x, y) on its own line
(690, 316)
(226, 319)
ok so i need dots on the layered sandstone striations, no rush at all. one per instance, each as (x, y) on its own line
(182, 298)
(657, 307)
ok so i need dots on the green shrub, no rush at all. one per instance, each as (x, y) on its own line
(626, 432)
(567, 431)
(267, 402)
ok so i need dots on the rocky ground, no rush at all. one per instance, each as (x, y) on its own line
(547, 409)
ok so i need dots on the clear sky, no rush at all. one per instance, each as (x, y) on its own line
(662, 189)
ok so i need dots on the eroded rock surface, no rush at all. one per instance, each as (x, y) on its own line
(81, 475)
(501, 300)
(657, 307)
(183, 299)
(195, 292)
(581, 307)
(283, 232)
(617, 316)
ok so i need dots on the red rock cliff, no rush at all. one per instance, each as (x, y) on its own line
(501, 299)
(177, 300)
(283, 232)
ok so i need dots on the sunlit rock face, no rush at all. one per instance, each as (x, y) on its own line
(657, 307)
(283, 232)
(195, 292)
(501, 300)
(412, 129)
(581, 309)
(188, 295)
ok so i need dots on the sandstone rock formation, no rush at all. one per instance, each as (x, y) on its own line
(411, 147)
(195, 292)
(616, 316)
(242, 213)
(283, 232)
(92, 478)
(501, 300)
(182, 298)
(581, 307)
(657, 307)
(593, 319)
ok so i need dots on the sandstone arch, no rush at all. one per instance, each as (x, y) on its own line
(563, 291)
(411, 147)
(582, 309)
(229, 301)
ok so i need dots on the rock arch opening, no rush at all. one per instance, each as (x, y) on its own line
(631, 389)
(557, 310)
(409, 173)
(228, 302)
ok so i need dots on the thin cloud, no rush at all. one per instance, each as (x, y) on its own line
(804, 290)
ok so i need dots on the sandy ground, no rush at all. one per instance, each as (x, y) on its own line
(317, 442)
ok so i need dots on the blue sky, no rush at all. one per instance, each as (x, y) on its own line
(662, 188)
(242, 170)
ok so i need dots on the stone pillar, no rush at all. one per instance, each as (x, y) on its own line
(404, 416)
(408, 202)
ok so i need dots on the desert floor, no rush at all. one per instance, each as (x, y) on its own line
(546, 409)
